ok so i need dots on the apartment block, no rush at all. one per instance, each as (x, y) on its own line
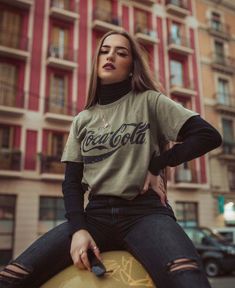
(46, 49)
(216, 32)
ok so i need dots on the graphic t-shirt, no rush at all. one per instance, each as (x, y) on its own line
(116, 141)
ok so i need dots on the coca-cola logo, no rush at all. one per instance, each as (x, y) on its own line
(133, 133)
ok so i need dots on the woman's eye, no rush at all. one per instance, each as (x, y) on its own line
(122, 54)
(103, 51)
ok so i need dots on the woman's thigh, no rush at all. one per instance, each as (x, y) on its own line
(48, 255)
(157, 241)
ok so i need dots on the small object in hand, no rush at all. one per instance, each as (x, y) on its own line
(97, 267)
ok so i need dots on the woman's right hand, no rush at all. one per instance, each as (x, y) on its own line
(81, 242)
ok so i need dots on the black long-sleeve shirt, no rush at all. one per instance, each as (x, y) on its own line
(196, 138)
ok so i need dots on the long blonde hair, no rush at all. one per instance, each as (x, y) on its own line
(141, 76)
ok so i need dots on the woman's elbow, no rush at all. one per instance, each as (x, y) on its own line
(216, 139)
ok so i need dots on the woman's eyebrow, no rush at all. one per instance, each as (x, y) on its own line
(118, 47)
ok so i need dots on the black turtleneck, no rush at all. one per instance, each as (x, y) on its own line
(197, 137)
(109, 93)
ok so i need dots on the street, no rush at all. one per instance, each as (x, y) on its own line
(223, 282)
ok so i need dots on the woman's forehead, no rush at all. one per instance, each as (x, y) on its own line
(116, 40)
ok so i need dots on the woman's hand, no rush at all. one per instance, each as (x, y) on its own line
(157, 184)
(81, 242)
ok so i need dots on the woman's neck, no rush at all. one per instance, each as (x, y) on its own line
(108, 93)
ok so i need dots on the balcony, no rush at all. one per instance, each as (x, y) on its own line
(10, 162)
(19, 3)
(13, 45)
(227, 151)
(51, 167)
(218, 29)
(223, 63)
(186, 88)
(146, 2)
(179, 45)
(225, 103)
(63, 10)
(56, 112)
(61, 57)
(186, 178)
(177, 8)
(104, 21)
(11, 100)
(146, 36)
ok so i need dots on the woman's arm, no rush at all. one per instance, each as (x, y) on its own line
(197, 136)
(74, 196)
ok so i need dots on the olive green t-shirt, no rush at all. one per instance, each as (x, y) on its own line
(116, 141)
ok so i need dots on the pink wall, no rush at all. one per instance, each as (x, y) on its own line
(82, 55)
(161, 57)
(31, 150)
(125, 17)
(36, 55)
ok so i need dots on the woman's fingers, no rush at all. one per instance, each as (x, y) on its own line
(96, 251)
(77, 259)
(146, 184)
(84, 259)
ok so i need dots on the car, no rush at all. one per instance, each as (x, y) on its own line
(218, 256)
(227, 232)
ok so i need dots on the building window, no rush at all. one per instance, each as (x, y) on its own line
(51, 213)
(59, 47)
(141, 22)
(215, 21)
(223, 91)
(175, 34)
(228, 136)
(187, 214)
(219, 52)
(58, 93)
(176, 68)
(8, 84)
(103, 10)
(62, 4)
(51, 156)
(7, 224)
(231, 177)
(10, 28)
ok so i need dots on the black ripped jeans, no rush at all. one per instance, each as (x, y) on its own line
(141, 226)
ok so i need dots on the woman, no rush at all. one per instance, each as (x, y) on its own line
(113, 152)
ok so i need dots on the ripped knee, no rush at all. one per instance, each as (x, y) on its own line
(182, 264)
(14, 272)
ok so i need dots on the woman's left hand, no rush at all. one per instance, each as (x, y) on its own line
(157, 184)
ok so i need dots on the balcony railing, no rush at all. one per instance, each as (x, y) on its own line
(54, 105)
(185, 175)
(65, 5)
(181, 41)
(225, 101)
(13, 40)
(219, 29)
(51, 164)
(10, 160)
(223, 60)
(177, 7)
(228, 148)
(187, 84)
(105, 16)
(11, 96)
(178, 3)
(61, 52)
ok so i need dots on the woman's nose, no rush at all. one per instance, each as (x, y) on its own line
(110, 56)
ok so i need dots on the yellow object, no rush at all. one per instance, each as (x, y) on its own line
(126, 272)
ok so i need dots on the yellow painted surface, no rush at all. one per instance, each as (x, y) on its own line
(126, 272)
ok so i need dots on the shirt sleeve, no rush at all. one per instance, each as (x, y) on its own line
(72, 150)
(171, 116)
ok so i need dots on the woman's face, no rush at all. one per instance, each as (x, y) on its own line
(114, 60)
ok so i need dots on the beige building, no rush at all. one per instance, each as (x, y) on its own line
(216, 40)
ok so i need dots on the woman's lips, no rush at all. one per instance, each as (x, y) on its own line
(109, 66)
